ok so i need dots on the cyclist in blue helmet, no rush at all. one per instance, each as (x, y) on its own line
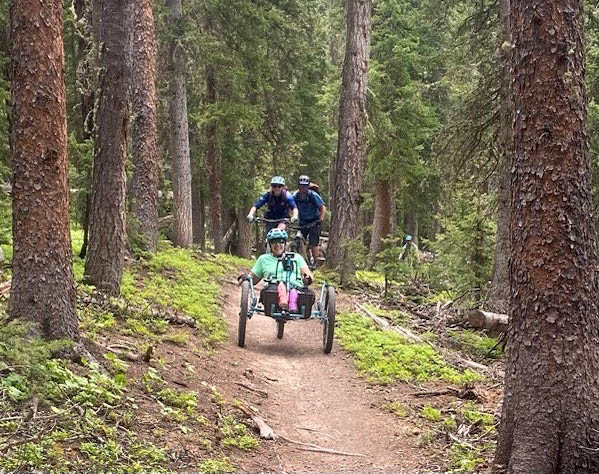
(311, 214)
(409, 250)
(280, 203)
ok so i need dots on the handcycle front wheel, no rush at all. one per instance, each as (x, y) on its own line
(280, 328)
(243, 312)
(329, 323)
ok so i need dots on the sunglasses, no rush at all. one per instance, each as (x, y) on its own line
(277, 241)
(277, 185)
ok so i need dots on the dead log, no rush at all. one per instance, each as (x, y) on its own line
(487, 320)
(383, 323)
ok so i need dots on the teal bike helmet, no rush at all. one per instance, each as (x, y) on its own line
(275, 234)
(277, 180)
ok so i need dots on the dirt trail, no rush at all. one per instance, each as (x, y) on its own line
(315, 398)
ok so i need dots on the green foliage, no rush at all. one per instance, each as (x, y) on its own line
(464, 249)
(431, 414)
(397, 408)
(476, 344)
(235, 434)
(465, 458)
(385, 356)
(182, 280)
(216, 466)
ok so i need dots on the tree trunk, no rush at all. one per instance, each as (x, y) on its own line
(214, 161)
(42, 273)
(179, 139)
(105, 259)
(244, 234)
(550, 413)
(144, 186)
(351, 150)
(500, 284)
(381, 224)
(410, 224)
(198, 210)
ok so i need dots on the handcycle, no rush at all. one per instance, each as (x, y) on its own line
(324, 312)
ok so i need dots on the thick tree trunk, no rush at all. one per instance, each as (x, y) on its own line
(42, 274)
(244, 234)
(500, 284)
(179, 139)
(381, 224)
(550, 413)
(214, 162)
(144, 186)
(105, 259)
(351, 150)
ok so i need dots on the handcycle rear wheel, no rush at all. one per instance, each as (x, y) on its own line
(280, 328)
(243, 313)
(329, 323)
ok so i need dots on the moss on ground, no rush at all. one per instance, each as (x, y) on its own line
(385, 356)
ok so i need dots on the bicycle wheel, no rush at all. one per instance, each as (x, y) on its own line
(280, 328)
(329, 323)
(243, 313)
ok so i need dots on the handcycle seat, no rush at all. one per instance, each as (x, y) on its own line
(270, 297)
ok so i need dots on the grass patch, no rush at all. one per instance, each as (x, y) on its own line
(236, 434)
(476, 344)
(398, 409)
(396, 316)
(215, 466)
(431, 414)
(371, 277)
(386, 356)
(180, 279)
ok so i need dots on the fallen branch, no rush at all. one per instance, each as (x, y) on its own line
(266, 432)
(5, 287)
(252, 388)
(383, 323)
(180, 319)
(433, 393)
(315, 431)
(319, 449)
(487, 320)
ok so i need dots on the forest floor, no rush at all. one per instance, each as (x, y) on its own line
(165, 398)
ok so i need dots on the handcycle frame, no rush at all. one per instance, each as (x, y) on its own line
(324, 312)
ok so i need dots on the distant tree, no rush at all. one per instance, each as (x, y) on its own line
(105, 258)
(351, 147)
(550, 418)
(42, 275)
(179, 131)
(144, 186)
(381, 224)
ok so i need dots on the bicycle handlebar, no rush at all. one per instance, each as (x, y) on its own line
(271, 221)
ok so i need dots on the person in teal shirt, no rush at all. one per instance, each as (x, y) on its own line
(269, 266)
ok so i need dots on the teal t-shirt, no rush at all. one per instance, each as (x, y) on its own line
(267, 264)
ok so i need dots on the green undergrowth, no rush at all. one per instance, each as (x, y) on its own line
(183, 280)
(396, 316)
(385, 356)
(478, 345)
(61, 417)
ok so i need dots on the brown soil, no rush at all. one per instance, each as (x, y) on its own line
(314, 398)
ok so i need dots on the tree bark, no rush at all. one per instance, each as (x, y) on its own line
(198, 209)
(105, 259)
(381, 224)
(410, 224)
(351, 146)
(551, 404)
(179, 139)
(144, 186)
(42, 273)
(214, 161)
(500, 284)
(244, 234)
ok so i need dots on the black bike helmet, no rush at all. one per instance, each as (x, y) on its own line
(303, 180)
